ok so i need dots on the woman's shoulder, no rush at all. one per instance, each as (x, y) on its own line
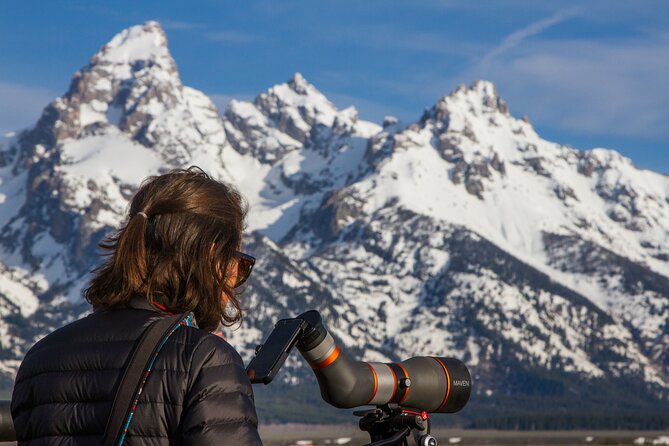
(112, 333)
(216, 366)
(211, 348)
(94, 328)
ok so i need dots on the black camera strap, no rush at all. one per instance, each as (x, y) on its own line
(140, 360)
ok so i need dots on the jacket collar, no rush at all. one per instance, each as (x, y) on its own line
(142, 303)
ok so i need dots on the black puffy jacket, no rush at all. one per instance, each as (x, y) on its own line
(197, 393)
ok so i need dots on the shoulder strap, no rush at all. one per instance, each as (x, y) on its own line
(148, 346)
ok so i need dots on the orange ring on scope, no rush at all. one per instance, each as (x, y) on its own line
(329, 360)
(448, 383)
(376, 382)
(408, 389)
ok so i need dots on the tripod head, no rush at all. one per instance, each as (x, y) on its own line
(391, 425)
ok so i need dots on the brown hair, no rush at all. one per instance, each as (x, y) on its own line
(177, 248)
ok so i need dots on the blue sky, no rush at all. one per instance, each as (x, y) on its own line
(588, 74)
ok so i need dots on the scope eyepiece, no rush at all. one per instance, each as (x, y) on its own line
(314, 331)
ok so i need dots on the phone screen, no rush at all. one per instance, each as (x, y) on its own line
(267, 362)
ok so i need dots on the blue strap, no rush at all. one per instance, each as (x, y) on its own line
(136, 373)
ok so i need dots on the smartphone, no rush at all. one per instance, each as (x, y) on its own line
(274, 351)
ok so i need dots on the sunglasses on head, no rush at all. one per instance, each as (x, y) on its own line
(245, 264)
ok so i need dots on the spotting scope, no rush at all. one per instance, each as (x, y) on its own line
(428, 384)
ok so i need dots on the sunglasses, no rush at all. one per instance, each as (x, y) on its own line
(245, 264)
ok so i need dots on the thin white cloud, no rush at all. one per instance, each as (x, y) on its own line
(517, 37)
(21, 105)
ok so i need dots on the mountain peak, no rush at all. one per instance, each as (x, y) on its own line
(471, 103)
(481, 96)
(299, 84)
(145, 43)
(484, 87)
(297, 91)
(130, 85)
(131, 80)
(295, 106)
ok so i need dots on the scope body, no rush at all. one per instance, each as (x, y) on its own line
(425, 383)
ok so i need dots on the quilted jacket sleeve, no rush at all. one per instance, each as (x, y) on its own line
(219, 405)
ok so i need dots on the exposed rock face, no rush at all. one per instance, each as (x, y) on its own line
(67, 180)
(462, 234)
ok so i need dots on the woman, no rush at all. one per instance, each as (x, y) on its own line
(178, 252)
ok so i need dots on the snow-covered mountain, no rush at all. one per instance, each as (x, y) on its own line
(464, 233)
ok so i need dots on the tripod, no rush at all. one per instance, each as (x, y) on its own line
(390, 425)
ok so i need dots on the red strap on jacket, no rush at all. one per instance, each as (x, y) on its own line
(156, 304)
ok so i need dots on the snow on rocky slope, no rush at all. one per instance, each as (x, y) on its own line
(589, 221)
(463, 233)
